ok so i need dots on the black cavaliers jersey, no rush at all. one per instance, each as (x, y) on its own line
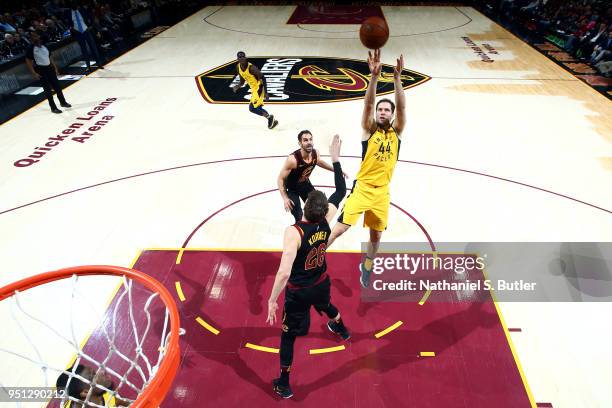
(310, 264)
(301, 174)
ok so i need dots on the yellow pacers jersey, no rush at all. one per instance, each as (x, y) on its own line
(379, 157)
(109, 401)
(249, 78)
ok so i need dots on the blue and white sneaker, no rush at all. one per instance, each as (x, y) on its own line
(364, 279)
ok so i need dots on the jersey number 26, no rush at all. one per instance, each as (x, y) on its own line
(315, 257)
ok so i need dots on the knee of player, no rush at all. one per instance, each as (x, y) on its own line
(375, 236)
(339, 229)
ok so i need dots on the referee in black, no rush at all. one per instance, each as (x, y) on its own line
(303, 270)
(42, 67)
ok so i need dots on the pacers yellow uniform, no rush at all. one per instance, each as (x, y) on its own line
(109, 401)
(257, 89)
(370, 194)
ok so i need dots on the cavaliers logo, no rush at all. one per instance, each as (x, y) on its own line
(303, 80)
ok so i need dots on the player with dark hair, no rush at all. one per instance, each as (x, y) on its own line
(250, 74)
(294, 178)
(80, 390)
(303, 269)
(380, 142)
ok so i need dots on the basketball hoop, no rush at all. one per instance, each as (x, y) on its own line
(142, 380)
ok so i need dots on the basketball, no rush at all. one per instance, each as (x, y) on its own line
(374, 32)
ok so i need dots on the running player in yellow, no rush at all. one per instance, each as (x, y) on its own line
(250, 74)
(380, 142)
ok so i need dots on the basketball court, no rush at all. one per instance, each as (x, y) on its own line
(160, 167)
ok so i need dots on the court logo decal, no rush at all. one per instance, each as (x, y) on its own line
(484, 54)
(303, 80)
(81, 130)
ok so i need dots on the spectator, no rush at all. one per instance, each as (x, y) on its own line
(532, 7)
(31, 18)
(5, 26)
(580, 32)
(603, 50)
(25, 36)
(53, 7)
(21, 43)
(587, 46)
(604, 67)
(102, 33)
(584, 26)
(59, 24)
(109, 26)
(11, 20)
(4, 55)
(53, 31)
(10, 47)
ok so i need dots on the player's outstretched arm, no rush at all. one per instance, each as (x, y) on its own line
(338, 195)
(291, 243)
(289, 165)
(400, 98)
(367, 118)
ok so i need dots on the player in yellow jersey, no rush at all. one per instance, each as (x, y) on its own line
(250, 74)
(80, 391)
(380, 142)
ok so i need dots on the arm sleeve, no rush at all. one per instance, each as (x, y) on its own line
(340, 192)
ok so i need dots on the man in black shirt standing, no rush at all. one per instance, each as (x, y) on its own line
(303, 270)
(294, 178)
(41, 65)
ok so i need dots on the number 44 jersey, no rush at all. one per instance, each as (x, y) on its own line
(379, 156)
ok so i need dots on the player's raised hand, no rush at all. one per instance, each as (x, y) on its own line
(334, 148)
(272, 308)
(374, 62)
(399, 67)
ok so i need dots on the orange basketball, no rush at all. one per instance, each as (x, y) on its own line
(374, 32)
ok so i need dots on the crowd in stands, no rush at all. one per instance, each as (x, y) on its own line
(582, 27)
(52, 20)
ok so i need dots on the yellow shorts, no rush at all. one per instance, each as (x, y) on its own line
(257, 96)
(373, 201)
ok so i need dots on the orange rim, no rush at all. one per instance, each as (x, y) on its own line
(155, 392)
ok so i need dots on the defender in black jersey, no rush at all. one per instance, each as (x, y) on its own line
(294, 178)
(303, 270)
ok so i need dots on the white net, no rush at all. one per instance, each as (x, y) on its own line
(116, 362)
